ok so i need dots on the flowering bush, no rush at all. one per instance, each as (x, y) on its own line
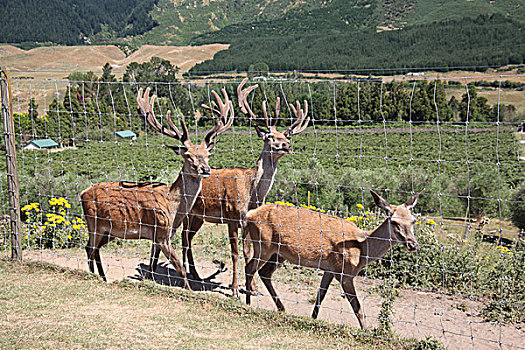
(311, 207)
(54, 229)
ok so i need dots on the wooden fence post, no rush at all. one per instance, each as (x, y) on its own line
(12, 169)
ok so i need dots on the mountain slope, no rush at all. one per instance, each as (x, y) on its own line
(71, 21)
(288, 34)
(472, 43)
(180, 21)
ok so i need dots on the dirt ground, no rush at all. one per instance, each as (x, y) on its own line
(451, 320)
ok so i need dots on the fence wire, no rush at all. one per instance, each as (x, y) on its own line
(300, 201)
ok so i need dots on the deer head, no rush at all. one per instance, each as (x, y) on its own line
(400, 220)
(196, 157)
(277, 142)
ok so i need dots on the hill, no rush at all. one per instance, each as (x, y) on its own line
(469, 43)
(73, 22)
(289, 34)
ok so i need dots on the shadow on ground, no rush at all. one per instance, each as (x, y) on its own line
(167, 276)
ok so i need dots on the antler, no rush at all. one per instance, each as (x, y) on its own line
(300, 123)
(242, 95)
(146, 105)
(223, 122)
(268, 123)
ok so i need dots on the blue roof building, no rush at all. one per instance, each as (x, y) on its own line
(41, 144)
(126, 134)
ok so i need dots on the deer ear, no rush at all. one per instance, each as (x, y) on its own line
(180, 150)
(411, 203)
(381, 203)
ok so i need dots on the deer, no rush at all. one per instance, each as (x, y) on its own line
(228, 193)
(153, 211)
(313, 239)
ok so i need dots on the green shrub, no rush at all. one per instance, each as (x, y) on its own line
(389, 293)
(518, 207)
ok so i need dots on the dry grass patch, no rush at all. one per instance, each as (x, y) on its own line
(51, 307)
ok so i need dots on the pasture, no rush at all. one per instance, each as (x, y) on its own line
(47, 306)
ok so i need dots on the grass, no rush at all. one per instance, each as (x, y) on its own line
(51, 307)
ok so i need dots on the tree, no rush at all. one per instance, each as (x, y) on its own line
(422, 103)
(397, 101)
(259, 68)
(473, 107)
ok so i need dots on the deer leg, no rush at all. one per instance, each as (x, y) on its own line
(266, 276)
(168, 250)
(90, 250)
(325, 283)
(105, 238)
(246, 246)
(153, 261)
(91, 244)
(250, 269)
(234, 244)
(348, 286)
(190, 227)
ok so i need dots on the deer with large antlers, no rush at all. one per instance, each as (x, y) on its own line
(153, 210)
(332, 244)
(229, 193)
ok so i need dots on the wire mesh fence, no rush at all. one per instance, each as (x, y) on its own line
(288, 194)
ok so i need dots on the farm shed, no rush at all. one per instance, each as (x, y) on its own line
(126, 134)
(41, 144)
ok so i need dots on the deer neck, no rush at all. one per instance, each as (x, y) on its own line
(265, 169)
(378, 242)
(183, 192)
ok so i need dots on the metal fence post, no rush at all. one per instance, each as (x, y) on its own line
(12, 169)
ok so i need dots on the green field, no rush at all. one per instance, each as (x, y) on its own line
(333, 166)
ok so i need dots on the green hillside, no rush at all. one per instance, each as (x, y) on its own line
(428, 11)
(471, 43)
(284, 35)
(429, 34)
(180, 21)
(73, 22)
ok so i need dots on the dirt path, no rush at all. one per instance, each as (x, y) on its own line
(417, 314)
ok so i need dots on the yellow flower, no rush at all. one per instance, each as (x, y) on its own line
(32, 206)
(26, 237)
(431, 222)
(359, 206)
(352, 218)
(69, 236)
(504, 250)
(284, 203)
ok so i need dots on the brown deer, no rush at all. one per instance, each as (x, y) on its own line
(153, 210)
(332, 244)
(228, 194)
